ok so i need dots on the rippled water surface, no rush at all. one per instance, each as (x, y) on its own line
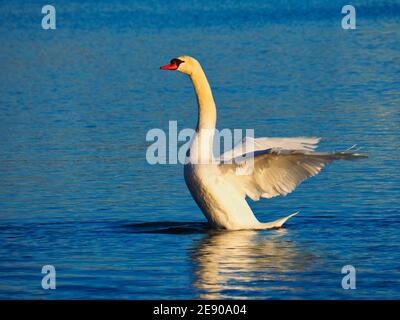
(76, 191)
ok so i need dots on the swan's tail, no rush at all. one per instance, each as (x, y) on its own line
(277, 223)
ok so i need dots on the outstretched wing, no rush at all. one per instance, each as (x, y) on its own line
(249, 144)
(275, 172)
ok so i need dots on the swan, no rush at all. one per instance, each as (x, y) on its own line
(277, 165)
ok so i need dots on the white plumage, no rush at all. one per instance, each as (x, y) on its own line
(255, 168)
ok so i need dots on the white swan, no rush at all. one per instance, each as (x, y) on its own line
(278, 166)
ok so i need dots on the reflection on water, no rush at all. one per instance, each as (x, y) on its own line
(245, 261)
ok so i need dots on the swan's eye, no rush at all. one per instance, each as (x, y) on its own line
(177, 61)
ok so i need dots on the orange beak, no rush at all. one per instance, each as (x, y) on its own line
(171, 66)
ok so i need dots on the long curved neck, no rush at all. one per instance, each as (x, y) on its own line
(201, 149)
(207, 114)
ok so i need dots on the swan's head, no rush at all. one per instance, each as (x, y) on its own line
(184, 64)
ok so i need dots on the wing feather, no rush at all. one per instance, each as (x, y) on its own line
(249, 144)
(277, 172)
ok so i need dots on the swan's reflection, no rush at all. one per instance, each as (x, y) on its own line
(242, 262)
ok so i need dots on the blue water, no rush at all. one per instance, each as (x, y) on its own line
(76, 191)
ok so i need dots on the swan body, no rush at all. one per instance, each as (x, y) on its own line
(216, 184)
(222, 204)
